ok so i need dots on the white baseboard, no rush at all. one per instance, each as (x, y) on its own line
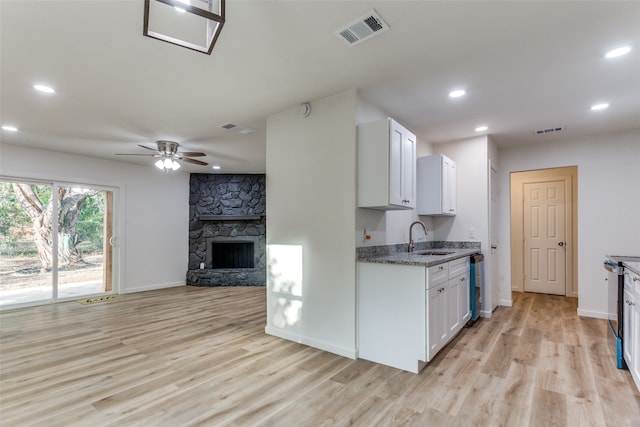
(506, 302)
(152, 287)
(485, 314)
(594, 314)
(341, 351)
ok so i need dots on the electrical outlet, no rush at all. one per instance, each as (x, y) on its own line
(472, 233)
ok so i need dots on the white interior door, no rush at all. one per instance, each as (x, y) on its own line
(544, 237)
(493, 236)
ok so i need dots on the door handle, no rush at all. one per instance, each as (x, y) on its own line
(561, 244)
(494, 246)
(112, 241)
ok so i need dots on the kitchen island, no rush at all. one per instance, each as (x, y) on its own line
(410, 305)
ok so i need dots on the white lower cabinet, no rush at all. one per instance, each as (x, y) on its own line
(408, 313)
(448, 305)
(631, 325)
(438, 308)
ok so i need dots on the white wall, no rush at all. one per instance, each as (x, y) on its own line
(470, 156)
(388, 227)
(153, 221)
(310, 196)
(472, 185)
(608, 204)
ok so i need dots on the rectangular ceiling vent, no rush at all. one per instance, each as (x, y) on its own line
(245, 130)
(547, 131)
(362, 29)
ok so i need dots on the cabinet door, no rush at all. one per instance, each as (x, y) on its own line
(451, 187)
(627, 313)
(634, 337)
(463, 298)
(437, 331)
(396, 191)
(453, 306)
(409, 169)
(448, 186)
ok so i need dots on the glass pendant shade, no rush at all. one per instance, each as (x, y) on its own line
(167, 164)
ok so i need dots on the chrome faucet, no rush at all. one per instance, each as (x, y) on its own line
(411, 233)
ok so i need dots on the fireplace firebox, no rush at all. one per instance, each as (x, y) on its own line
(236, 254)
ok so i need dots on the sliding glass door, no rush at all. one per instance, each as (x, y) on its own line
(76, 220)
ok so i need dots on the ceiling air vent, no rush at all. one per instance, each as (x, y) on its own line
(547, 131)
(362, 29)
(245, 130)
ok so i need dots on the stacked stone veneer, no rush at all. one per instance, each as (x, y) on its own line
(226, 195)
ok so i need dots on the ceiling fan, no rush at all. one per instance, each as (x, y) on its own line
(167, 152)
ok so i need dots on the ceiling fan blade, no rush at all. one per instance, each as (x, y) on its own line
(152, 149)
(194, 161)
(127, 154)
(191, 154)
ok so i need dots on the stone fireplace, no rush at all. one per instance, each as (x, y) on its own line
(227, 230)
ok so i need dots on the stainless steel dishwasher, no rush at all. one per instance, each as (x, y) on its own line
(476, 287)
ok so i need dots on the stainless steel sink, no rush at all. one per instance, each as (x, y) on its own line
(433, 252)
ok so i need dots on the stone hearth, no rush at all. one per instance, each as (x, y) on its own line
(226, 208)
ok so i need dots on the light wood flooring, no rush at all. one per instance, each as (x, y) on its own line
(199, 356)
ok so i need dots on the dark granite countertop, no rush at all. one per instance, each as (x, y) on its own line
(416, 258)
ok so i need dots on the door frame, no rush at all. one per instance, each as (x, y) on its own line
(113, 259)
(517, 180)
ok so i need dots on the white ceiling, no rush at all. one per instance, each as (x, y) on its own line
(525, 65)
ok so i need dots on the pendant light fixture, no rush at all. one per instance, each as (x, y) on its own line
(194, 24)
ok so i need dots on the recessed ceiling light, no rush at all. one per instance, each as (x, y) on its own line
(457, 93)
(10, 128)
(43, 88)
(619, 51)
(602, 106)
(481, 128)
(216, 167)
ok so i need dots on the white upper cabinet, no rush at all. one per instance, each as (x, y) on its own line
(386, 166)
(436, 185)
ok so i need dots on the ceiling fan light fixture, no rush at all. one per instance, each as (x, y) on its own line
(194, 24)
(169, 156)
(167, 164)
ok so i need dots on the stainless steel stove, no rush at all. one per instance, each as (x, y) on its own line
(615, 265)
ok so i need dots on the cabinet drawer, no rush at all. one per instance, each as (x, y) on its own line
(458, 267)
(438, 274)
